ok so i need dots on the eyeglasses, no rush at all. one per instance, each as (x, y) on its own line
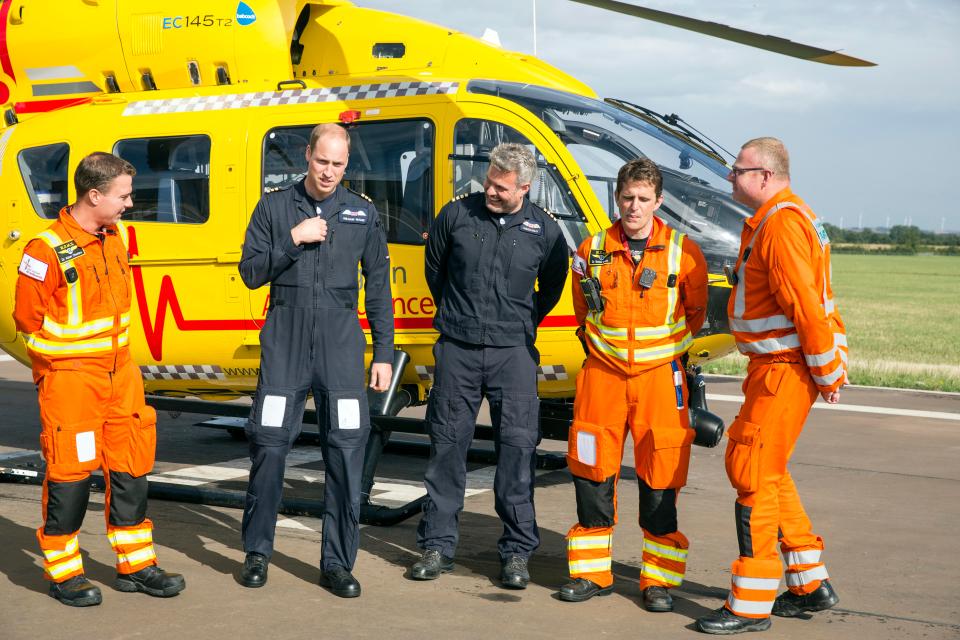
(737, 171)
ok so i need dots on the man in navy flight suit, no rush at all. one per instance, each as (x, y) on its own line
(306, 241)
(483, 256)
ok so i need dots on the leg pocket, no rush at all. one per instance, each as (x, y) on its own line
(349, 419)
(143, 442)
(72, 450)
(742, 458)
(275, 417)
(520, 420)
(664, 457)
(443, 416)
(589, 452)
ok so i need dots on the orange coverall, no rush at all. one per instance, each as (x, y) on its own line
(633, 382)
(784, 319)
(73, 309)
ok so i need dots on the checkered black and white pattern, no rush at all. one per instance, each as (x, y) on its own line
(182, 372)
(551, 372)
(289, 96)
(544, 373)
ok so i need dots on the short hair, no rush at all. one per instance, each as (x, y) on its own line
(511, 156)
(772, 153)
(328, 129)
(640, 170)
(98, 170)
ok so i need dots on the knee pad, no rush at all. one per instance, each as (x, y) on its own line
(658, 509)
(595, 507)
(66, 506)
(128, 499)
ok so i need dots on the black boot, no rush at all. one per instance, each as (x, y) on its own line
(790, 605)
(254, 571)
(513, 573)
(151, 580)
(341, 582)
(724, 622)
(430, 565)
(76, 592)
(581, 589)
(657, 599)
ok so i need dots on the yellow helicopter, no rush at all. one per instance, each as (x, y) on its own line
(213, 103)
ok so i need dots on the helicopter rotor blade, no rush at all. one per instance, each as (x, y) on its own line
(717, 30)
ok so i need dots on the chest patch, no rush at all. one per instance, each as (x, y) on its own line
(532, 227)
(33, 268)
(348, 216)
(599, 256)
(68, 251)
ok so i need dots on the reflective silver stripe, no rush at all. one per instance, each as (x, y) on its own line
(664, 575)
(757, 584)
(590, 542)
(84, 330)
(136, 557)
(758, 325)
(62, 569)
(755, 607)
(615, 333)
(770, 345)
(135, 536)
(829, 306)
(598, 243)
(652, 353)
(830, 378)
(662, 331)
(821, 359)
(606, 348)
(73, 544)
(739, 289)
(810, 556)
(673, 267)
(839, 340)
(662, 551)
(590, 566)
(74, 291)
(795, 579)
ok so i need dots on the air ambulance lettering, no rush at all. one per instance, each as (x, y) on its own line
(532, 227)
(353, 217)
(68, 251)
(33, 268)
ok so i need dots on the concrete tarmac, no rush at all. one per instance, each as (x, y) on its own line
(882, 489)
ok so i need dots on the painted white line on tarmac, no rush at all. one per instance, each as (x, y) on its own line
(858, 408)
(5, 358)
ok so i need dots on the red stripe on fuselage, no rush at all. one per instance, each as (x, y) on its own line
(44, 106)
(4, 53)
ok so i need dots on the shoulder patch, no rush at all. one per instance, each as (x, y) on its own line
(33, 268)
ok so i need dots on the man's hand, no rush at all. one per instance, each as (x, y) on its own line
(310, 230)
(380, 375)
(833, 397)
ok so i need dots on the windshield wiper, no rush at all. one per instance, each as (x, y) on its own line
(674, 122)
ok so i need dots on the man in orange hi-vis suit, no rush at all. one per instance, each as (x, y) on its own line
(640, 295)
(784, 319)
(73, 309)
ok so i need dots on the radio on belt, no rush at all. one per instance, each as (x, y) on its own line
(591, 292)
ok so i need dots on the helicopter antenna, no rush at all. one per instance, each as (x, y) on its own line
(674, 117)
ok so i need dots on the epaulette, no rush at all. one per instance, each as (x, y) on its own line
(551, 214)
(358, 193)
(280, 187)
(464, 195)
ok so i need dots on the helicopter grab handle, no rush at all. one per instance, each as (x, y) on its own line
(299, 83)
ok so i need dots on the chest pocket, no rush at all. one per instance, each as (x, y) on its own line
(345, 244)
(526, 254)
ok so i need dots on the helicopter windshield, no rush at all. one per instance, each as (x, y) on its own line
(602, 137)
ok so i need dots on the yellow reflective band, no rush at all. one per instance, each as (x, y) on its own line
(137, 557)
(74, 291)
(661, 551)
(673, 266)
(590, 566)
(72, 545)
(671, 350)
(82, 330)
(662, 331)
(124, 234)
(130, 537)
(659, 573)
(62, 569)
(48, 347)
(603, 347)
(590, 542)
(613, 333)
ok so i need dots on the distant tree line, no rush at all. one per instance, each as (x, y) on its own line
(899, 239)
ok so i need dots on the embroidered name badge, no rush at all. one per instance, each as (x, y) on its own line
(532, 227)
(33, 268)
(68, 251)
(821, 233)
(353, 217)
(599, 256)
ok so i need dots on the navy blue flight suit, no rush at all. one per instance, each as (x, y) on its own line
(481, 268)
(312, 341)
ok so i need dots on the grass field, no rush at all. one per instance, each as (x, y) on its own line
(903, 321)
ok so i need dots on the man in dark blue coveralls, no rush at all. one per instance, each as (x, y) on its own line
(306, 241)
(484, 254)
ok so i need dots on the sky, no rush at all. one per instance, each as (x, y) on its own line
(869, 146)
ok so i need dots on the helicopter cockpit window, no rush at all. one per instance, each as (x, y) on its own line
(602, 137)
(173, 178)
(390, 162)
(473, 141)
(44, 171)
